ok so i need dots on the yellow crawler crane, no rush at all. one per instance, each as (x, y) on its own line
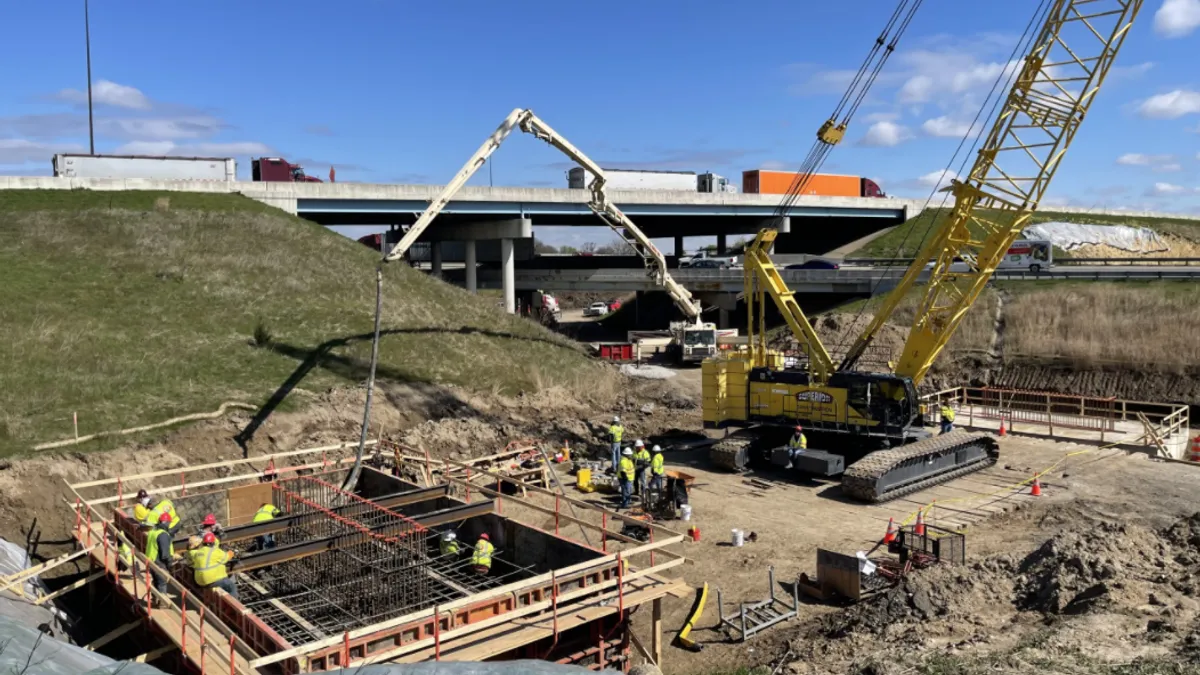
(854, 412)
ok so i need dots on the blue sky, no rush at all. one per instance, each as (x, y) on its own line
(405, 91)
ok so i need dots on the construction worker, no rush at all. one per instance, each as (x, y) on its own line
(656, 469)
(625, 472)
(160, 549)
(481, 558)
(267, 511)
(208, 565)
(947, 418)
(161, 506)
(615, 432)
(798, 441)
(641, 462)
(449, 544)
(210, 524)
(141, 508)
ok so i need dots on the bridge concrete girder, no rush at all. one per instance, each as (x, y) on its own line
(509, 228)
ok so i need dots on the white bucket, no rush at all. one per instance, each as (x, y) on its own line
(685, 512)
(737, 538)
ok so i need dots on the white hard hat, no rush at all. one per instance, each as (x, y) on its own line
(616, 418)
(657, 449)
(627, 451)
(639, 443)
(449, 536)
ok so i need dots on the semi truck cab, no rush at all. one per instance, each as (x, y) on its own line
(279, 170)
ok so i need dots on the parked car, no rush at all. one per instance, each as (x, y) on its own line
(711, 264)
(614, 305)
(959, 265)
(596, 309)
(814, 264)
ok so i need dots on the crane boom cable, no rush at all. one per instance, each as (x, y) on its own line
(996, 96)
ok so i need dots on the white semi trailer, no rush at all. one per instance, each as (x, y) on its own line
(133, 166)
(579, 178)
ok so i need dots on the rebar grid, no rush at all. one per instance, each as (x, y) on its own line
(389, 566)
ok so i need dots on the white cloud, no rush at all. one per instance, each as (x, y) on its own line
(1170, 190)
(108, 93)
(944, 76)
(1171, 105)
(886, 135)
(24, 151)
(937, 179)
(773, 165)
(1156, 163)
(945, 127)
(232, 149)
(882, 117)
(1177, 18)
(1130, 72)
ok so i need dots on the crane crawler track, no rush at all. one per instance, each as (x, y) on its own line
(888, 474)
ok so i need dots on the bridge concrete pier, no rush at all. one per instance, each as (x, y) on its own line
(435, 259)
(508, 275)
(470, 267)
(678, 247)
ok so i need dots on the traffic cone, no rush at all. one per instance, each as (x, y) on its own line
(919, 528)
(1002, 431)
(1036, 488)
(890, 535)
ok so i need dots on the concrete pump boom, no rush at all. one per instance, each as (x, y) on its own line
(599, 203)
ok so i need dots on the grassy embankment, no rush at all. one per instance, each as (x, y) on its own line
(134, 307)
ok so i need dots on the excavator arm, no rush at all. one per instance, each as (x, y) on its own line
(599, 203)
(1066, 64)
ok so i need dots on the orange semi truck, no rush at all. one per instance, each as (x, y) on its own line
(823, 184)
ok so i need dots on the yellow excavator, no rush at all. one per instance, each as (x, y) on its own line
(877, 417)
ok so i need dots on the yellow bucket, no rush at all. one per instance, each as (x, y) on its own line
(583, 478)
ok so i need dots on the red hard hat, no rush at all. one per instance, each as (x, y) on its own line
(209, 538)
(210, 520)
(799, 428)
(485, 537)
(164, 518)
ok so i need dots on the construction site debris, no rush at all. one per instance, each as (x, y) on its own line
(647, 372)
(1070, 236)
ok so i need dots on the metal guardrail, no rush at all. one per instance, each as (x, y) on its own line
(1058, 262)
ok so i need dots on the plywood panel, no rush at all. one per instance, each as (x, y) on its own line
(245, 500)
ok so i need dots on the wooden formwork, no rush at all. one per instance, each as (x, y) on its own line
(213, 630)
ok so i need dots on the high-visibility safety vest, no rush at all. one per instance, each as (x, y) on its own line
(626, 468)
(482, 557)
(615, 432)
(798, 442)
(947, 414)
(125, 553)
(152, 544)
(656, 464)
(265, 512)
(642, 456)
(163, 506)
(208, 564)
(449, 547)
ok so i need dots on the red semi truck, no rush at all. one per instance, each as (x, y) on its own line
(279, 170)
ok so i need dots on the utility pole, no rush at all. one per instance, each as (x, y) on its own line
(87, 36)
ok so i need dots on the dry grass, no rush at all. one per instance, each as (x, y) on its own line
(136, 314)
(1093, 324)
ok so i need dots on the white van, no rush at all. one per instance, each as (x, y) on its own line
(1034, 255)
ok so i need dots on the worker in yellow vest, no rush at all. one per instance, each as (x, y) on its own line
(160, 549)
(615, 432)
(449, 544)
(947, 418)
(625, 474)
(798, 441)
(481, 558)
(208, 565)
(267, 511)
(657, 470)
(164, 505)
(141, 508)
(641, 462)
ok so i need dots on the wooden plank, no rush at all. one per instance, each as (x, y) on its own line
(633, 638)
(25, 574)
(214, 465)
(245, 500)
(67, 589)
(154, 654)
(656, 630)
(112, 635)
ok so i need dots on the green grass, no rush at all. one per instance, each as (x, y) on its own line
(134, 307)
(905, 240)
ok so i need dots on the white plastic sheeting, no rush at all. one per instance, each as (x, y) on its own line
(647, 372)
(1069, 236)
(14, 606)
